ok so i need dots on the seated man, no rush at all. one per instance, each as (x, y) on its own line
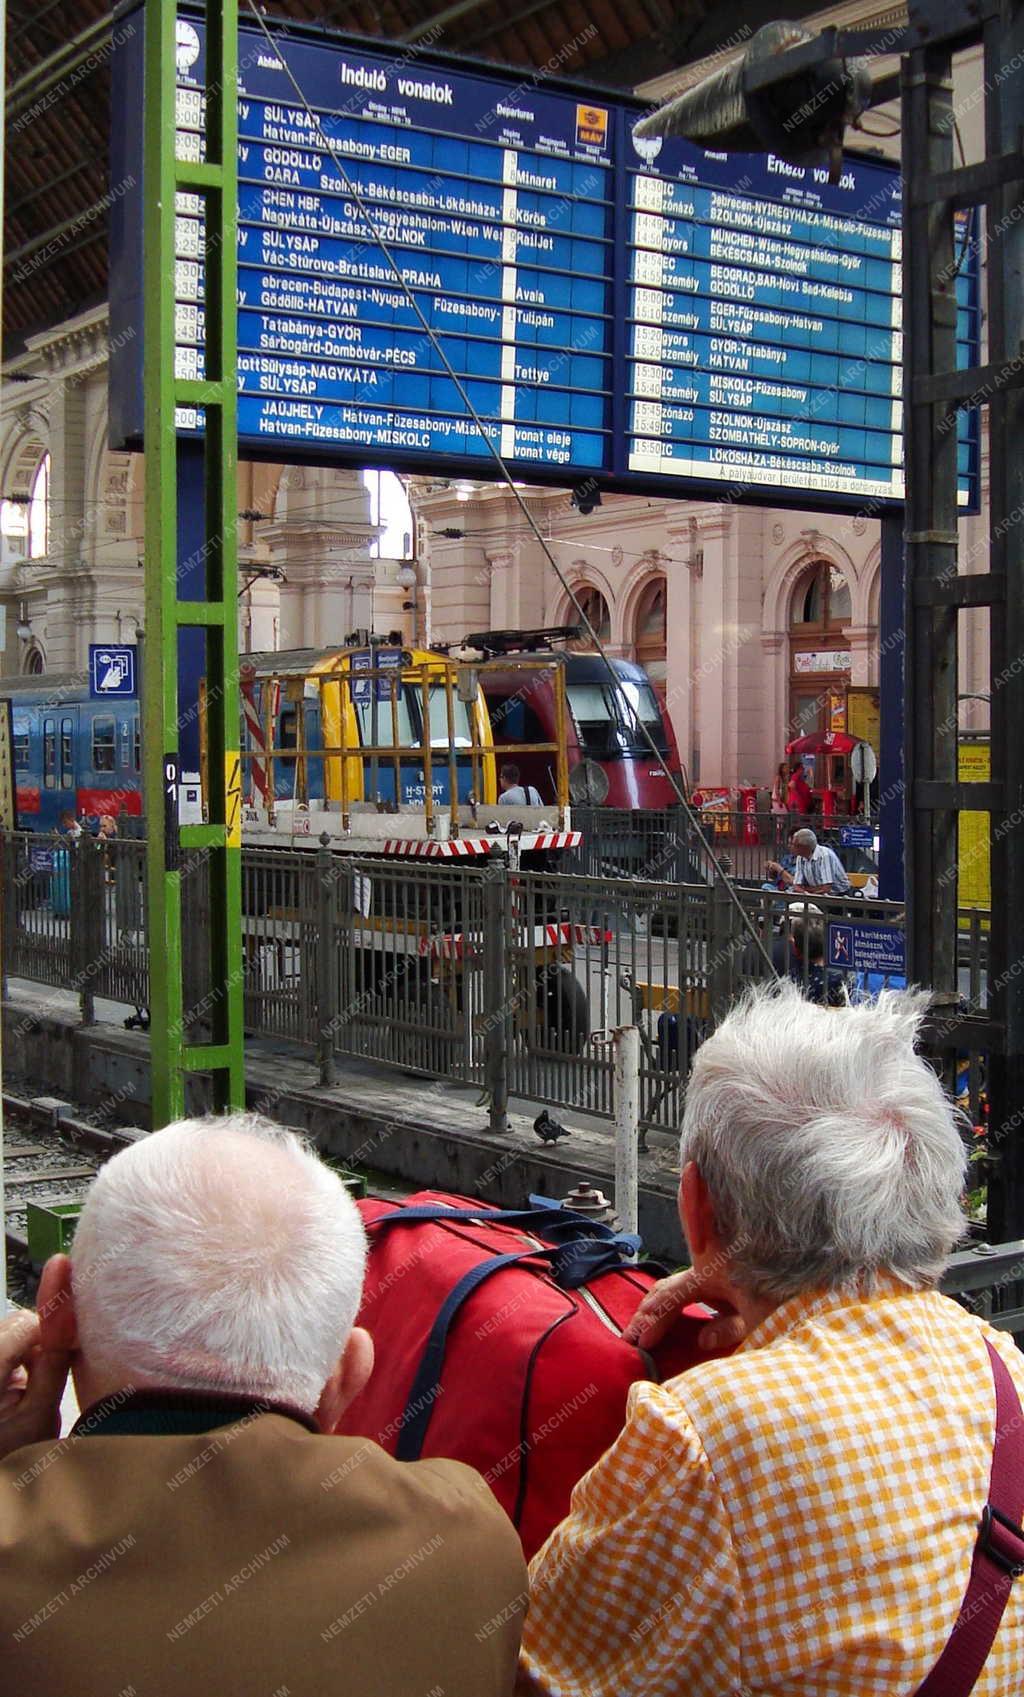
(799, 1516)
(514, 794)
(818, 868)
(198, 1533)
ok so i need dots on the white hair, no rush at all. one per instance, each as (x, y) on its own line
(807, 838)
(219, 1254)
(828, 1147)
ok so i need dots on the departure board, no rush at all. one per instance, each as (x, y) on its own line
(648, 315)
(765, 323)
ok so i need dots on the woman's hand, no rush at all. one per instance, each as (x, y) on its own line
(660, 1309)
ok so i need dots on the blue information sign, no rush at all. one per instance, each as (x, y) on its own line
(380, 660)
(645, 312)
(857, 836)
(111, 670)
(857, 947)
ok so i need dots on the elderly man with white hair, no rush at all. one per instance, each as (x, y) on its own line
(200, 1532)
(802, 1516)
(818, 868)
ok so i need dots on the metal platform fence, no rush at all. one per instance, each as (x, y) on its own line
(661, 844)
(509, 980)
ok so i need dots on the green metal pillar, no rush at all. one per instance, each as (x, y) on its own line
(216, 180)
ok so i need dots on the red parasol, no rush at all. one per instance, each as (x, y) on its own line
(823, 742)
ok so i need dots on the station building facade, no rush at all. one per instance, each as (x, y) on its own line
(72, 525)
(753, 621)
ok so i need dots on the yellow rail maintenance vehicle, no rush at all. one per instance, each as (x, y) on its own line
(385, 752)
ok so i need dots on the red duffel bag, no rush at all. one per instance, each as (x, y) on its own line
(498, 1339)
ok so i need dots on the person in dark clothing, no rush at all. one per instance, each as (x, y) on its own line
(807, 968)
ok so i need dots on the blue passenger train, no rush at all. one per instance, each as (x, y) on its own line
(71, 754)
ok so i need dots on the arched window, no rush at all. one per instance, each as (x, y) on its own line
(33, 662)
(650, 629)
(13, 530)
(595, 607)
(821, 600)
(39, 511)
(24, 514)
(389, 506)
(819, 652)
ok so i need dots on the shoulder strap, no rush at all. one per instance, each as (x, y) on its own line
(572, 1265)
(998, 1553)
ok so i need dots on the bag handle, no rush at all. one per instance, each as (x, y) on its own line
(998, 1552)
(550, 1222)
(572, 1264)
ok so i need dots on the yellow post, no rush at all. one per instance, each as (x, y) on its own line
(395, 683)
(453, 770)
(561, 757)
(428, 759)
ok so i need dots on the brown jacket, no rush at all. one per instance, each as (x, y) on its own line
(166, 1551)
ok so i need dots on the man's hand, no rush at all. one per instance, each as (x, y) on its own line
(32, 1383)
(661, 1306)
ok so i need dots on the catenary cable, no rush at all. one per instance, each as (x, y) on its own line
(355, 194)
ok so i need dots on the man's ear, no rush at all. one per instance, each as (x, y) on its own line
(55, 1306)
(355, 1364)
(696, 1212)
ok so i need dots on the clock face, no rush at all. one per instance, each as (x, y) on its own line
(617, 556)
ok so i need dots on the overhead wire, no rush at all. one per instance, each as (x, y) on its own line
(356, 196)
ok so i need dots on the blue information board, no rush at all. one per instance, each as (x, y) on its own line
(647, 313)
(857, 947)
(111, 670)
(857, 836)
(379, 660)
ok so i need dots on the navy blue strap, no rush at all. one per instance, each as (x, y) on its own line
(424, 1390)
(572, 1264)
(548, 1222)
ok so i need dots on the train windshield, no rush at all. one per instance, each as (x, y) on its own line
(377, 721)
(606, 716)
(641, 704)
(461, 736)
(410, 718)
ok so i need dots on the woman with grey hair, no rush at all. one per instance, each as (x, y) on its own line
(801, 1515)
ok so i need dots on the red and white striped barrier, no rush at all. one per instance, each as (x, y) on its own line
(453, 945)
(459, 848)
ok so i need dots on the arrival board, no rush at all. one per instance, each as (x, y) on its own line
(647, 314)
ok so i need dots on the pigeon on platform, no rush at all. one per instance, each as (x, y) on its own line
(548, 1129)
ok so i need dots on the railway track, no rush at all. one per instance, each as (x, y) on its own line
(52, 1157)
(49, 1160)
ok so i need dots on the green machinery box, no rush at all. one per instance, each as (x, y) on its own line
(50, 1228)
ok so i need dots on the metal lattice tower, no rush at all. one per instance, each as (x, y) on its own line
(219, 841)
(935, 190)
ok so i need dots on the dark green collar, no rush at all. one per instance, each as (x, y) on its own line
(175, 1413)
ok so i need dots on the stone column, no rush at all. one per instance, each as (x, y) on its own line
(321, 538)
(683, 566)
(505, 589)
(863, 640)
(713, 670)
(68, 600)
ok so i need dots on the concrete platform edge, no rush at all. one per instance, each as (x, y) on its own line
(104, 1067)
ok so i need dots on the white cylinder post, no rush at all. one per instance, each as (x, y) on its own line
(626, 1088)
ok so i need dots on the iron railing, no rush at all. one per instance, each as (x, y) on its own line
(660, 843)
(508, 979)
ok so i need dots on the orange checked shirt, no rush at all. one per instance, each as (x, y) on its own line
(798, 1518)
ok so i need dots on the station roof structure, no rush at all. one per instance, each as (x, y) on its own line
(58, 103)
